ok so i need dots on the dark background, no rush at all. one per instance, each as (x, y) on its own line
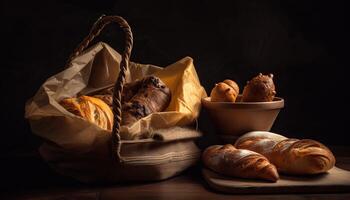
(303, 43)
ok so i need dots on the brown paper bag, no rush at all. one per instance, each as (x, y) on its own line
(98, 68)
(80, 149)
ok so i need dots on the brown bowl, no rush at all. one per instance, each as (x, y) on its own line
(233, 119)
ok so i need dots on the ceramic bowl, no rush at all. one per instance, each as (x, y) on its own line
(233, 119)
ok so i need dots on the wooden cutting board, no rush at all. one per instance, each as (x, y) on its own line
(336, 180)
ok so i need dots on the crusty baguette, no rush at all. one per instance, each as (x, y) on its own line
(290, 156)
(227, 160)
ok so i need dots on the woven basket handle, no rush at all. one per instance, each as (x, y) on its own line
(124, 64)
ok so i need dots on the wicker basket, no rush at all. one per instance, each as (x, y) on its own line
(172, 150)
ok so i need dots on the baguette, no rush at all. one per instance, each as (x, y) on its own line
(227, 160)
(290, 156)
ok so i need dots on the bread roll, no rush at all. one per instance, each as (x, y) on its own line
(92, 109)
(226, 91)
(290, 156)
(228, 160)
(260, 89)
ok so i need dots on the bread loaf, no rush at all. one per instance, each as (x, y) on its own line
(290, 156)
(92, 109)
(147, 96)
(228, 160)
(129, 90)
(140, 98)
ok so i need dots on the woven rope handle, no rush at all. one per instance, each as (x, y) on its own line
(124, 64)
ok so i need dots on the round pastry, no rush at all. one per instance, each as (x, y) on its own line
(226, 91)
(261, 88)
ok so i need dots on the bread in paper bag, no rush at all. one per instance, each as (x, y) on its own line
(97, 68)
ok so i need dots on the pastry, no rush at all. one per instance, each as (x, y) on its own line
(226, 91)
(227, 160)
(290, 156)
(260, 89)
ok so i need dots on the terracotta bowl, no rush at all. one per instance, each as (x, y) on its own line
(235, 119)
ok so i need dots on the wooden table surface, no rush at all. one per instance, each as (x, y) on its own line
(27, 177)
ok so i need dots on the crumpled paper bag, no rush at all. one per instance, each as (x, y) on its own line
(98, 68)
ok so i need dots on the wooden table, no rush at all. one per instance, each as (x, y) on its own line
(27, 177)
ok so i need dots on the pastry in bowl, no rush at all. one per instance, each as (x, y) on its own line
(260, 89)
(235, 114)
(225, 91)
